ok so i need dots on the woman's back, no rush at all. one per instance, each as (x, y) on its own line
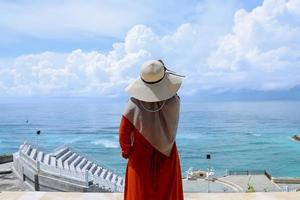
(150, 174)
(147, 136)
(156, 121)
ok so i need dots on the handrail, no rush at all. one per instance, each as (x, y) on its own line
(60, 147)
(247, 172)
(53, 170)
(85, 177)
(268, 175)
(93, 159)
(87, 157)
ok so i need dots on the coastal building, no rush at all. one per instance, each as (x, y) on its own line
(63, 170)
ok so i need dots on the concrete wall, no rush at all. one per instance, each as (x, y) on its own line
(50, 184)
(284, 180)
(6, 159)
(45, 182)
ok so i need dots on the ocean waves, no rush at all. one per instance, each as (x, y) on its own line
(236, 135)
(106, 143)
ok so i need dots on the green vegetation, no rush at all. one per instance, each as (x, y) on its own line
(250, 188)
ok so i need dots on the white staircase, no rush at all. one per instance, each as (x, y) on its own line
(69, 163)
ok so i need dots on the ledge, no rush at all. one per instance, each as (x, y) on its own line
(119, 196)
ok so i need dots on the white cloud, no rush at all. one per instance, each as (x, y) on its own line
(77, 19)
(56, 19)
(76, 73)
(90, 73)
(294, 7)
(261, 52)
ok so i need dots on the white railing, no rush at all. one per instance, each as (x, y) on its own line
(97, 179)
(16, 163)
(102, 182)
(291, 188)
(79, 176)
(84, 177)
(93, 160)
(29, 161)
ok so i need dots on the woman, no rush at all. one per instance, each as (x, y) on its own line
(147, 135)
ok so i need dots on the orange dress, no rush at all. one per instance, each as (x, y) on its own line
(150, 174)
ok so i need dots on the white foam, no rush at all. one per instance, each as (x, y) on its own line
(106, 143)
(74, 140)
(256, 134)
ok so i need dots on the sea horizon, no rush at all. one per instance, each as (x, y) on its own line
(239, 135)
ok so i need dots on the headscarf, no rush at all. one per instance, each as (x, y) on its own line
(156, 121)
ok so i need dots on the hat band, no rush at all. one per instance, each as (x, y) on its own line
(153, 82)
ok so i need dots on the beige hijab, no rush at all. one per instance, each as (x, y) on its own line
(156, 121)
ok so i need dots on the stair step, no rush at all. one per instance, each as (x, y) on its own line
(98, 171)
(33, 154)
(81, 164)
(60, 152)
(114, 178)
(120, 181)
(65, 156)
(40, 156)
(108, 176)
(87, 166)
(47, 159)
(28, 151)
(24, 147)
(103, 174)
(93, 168)
(52, 161)
(74, 164)
(69, 160)
(60, 164)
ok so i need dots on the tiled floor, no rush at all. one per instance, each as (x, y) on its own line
(119, 196)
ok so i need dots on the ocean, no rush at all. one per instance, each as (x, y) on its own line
(237, 135)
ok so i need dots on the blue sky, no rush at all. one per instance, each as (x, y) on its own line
(16, 41)
(95, 48)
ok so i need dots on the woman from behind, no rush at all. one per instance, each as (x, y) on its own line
(147, 135)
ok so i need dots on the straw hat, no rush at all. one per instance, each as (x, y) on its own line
(156, 83)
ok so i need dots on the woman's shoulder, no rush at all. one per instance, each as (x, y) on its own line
(174, 99)
(131, 106)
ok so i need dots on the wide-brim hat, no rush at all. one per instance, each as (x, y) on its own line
(156, 83)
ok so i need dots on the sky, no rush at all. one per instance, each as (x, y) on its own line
(95, 48)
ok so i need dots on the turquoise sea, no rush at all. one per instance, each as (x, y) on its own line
(238, 135)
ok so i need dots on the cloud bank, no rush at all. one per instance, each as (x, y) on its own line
(71, 19)
(260, 50)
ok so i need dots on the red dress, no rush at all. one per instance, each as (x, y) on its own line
(150, 175)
